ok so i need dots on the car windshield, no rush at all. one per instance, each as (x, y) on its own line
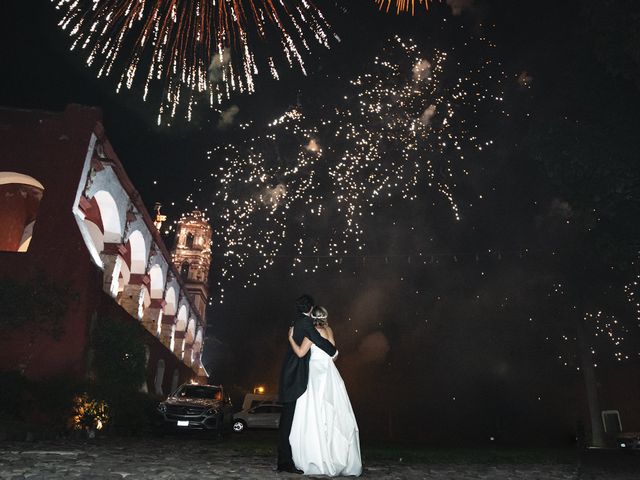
(199, 391)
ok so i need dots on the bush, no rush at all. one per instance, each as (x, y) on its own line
(119, 371)
(119, 357)
(43, 406)
(12, 395)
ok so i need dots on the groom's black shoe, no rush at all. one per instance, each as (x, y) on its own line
(290, 469)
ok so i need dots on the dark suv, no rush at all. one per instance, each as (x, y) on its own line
(198, 407)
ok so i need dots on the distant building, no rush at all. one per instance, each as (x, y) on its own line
(69, 212)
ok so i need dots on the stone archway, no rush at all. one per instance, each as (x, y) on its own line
(99, 221)
(134, 295)
(168, 317)
(179, 333)
(197, 347)
(153, 312)
(189, 339)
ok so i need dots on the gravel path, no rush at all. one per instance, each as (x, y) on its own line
(174, 458)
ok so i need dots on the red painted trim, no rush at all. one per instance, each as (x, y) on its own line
(157, 303)
(139, 279)
(91, 211)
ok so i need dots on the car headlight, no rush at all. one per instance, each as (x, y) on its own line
(162, 408)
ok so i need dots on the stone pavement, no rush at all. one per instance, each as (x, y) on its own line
(174, 458)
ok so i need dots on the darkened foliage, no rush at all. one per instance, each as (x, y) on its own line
(42, 406)
(12, 393)
(119, 371)
(39, 302)
(119, 356)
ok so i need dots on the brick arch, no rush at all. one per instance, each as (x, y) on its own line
(109, 216)
(191, 331)
(182, 317)
(123, 272)
(136, 253)
(180, 331)
(197, 344)
(171, 299)
(156, 286)
(100, 225)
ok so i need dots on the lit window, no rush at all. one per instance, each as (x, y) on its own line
(20, 197)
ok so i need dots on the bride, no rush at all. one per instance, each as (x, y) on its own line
(324, 434)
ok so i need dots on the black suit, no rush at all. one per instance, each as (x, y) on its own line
(294, 377)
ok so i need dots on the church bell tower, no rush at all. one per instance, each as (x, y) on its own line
(192, 257)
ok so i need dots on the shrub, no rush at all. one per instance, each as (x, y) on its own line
(119, 357)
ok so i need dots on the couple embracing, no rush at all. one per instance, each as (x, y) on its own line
(318, 430)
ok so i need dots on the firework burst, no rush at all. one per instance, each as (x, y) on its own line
(197, 50)
(306, 187)
(402, 5)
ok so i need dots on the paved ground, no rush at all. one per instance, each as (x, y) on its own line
(188, 458)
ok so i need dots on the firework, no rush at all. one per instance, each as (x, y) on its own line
(306, 186)
(631, 291)
(197, 50)
(402, 5)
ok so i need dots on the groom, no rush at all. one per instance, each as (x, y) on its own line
(294, 376)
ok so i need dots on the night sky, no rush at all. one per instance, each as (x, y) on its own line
(436, 318)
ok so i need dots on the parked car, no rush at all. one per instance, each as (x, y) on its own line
(264, 415)
(626, 440)
(197, 407)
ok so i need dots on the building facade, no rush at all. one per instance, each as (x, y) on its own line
(70, 213)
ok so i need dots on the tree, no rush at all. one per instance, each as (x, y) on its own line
(583, 138)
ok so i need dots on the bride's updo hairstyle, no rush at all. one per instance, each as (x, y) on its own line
(319, 316)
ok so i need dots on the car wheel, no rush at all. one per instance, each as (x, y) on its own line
(239, 426)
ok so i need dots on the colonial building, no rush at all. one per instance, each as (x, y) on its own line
(69, 212)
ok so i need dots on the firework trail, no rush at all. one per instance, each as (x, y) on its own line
(197, 50)
(305, 187)
(402, 5)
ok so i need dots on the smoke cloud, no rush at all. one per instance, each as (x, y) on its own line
(313, 146)
(227, 117)
(272, 196)
(373, 348)
(458, 7)
(421, 70)
(427, 115)
(525, 80)
(218, 64)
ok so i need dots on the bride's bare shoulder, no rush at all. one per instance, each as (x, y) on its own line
(322, 330)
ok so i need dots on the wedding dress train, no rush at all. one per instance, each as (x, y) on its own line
(324, 436)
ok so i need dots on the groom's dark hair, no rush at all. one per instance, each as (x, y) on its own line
(304, 303)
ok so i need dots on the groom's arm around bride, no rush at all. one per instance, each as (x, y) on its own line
(295, 374)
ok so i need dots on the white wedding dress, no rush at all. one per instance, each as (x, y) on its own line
(324, 435)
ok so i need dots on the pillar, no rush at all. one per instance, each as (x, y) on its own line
(188, 351)
(166, 327)
(153, 315)
(179, 341)
(132, 299)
